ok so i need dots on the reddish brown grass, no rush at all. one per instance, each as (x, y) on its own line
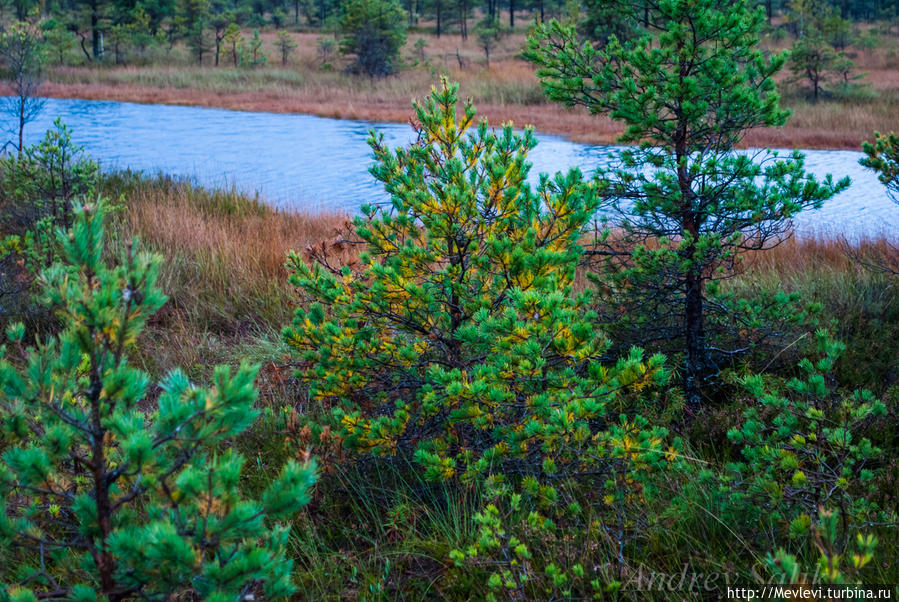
(222, 264)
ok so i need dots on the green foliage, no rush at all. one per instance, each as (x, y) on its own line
(234, 42)
(883, 158)
(812, 58)
(326, 46)
(45, 180)
(193, 21)
(101, 495)
(488, 32)
(607, 19)
(59, 40)
(803, 447)
(684, 202)
(547, 541)
(374, 32)
(459, 339)
(251, 54)
(648, 76)
(285, 45)
(40, 187)
(835, 564)
(22, 54)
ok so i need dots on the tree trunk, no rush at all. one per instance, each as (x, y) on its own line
(695, 364)
(439, 8)
(511, 14)
(463, 19)
(95, 33)
(102, 556)
(21, 124)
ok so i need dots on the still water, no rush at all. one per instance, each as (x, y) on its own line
(315, 163)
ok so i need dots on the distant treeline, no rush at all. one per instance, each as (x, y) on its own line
(98, 23)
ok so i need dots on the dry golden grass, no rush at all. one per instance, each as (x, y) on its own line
(224, 272)
(223, 269)
(224, 253)
(809, 255)
(507, 91)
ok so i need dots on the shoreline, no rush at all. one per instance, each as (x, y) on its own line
(548, 118)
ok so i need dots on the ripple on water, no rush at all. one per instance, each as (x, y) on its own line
(317, 163)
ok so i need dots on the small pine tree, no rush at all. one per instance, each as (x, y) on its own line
(812, 58)
(882, 156)
(685, 202)
(101, 499)
(59, 40)
(804, 448)
(285, 45)
(326, 47)
(193, 21)
(251, 54)
(488, 32)
(22, 52)
(234, 41)
(45, 180)
(374, 34)
(39, 189)
(460, 341)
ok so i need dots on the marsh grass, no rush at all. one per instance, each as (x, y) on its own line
(224, 269)
(858, 302)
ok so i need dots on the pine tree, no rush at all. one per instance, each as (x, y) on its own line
(103, 499)
(685, 202)
(882, 156)
(22, 54)
(814, 59)
(488, 33)
(234, 40)
(374, 34)
(459, 340)
(193, 21)
(251, 54)
(286, 45)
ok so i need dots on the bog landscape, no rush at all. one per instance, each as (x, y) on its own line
(449, 300)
